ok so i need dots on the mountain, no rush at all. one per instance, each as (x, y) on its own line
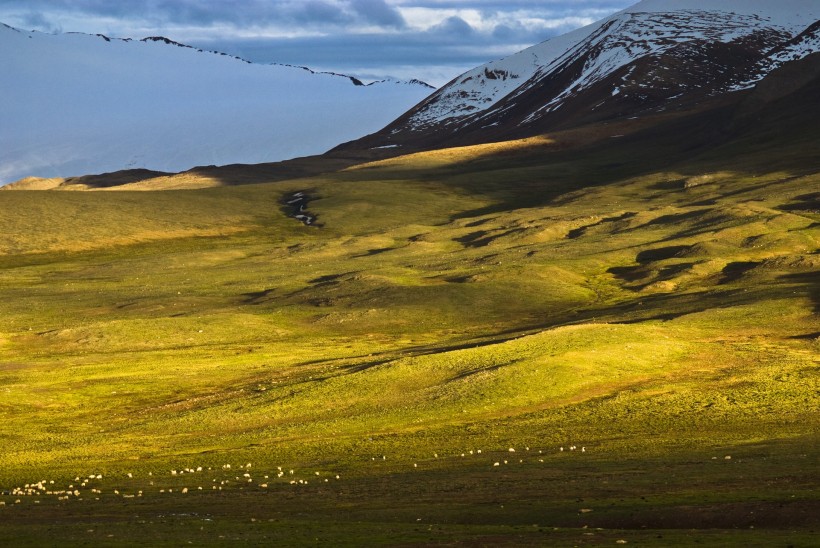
(656, 56)
(562, 340)
(421, 355)
(74, 104)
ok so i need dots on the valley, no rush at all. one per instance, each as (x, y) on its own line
(458, 322)
(569, 299)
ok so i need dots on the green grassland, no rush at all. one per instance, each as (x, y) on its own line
(652, 310)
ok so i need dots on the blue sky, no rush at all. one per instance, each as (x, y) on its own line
(433, 40)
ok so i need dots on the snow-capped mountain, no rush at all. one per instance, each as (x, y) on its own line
(656, 55)
(74, 104)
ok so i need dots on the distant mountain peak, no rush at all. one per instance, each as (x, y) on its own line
(654, 56)
(162, 39)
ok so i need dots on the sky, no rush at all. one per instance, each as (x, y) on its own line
(431, 40)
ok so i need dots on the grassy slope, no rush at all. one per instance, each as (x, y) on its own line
(654, 306)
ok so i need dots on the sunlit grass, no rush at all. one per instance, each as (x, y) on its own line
(660, 320)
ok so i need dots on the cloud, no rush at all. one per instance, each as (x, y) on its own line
(313, 12)
(40, 21)
(215, 13)
(453, 27)
(388, 14)
(368, 36)
(379, 12)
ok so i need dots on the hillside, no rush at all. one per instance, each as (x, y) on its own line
(656, 56)
(602, 334)
(76, 104)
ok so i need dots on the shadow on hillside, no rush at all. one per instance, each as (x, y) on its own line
(810, 281)
(228, 175)
(555, 179)
(641, 308)
(779, 135)
(769, 128)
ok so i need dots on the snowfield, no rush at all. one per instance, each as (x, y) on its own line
(76, 104)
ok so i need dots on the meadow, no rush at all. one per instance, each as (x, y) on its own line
(579, 339)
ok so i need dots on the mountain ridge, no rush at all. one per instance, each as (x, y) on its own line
(641, 62)
(779, 106)
(91, 104)
(656, 55)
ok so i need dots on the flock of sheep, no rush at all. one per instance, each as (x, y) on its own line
(239, 476)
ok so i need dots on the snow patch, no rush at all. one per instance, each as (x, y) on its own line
(649, 27)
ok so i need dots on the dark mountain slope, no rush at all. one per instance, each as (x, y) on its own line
(653, 58)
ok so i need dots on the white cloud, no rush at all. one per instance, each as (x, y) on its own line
(367, 36)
